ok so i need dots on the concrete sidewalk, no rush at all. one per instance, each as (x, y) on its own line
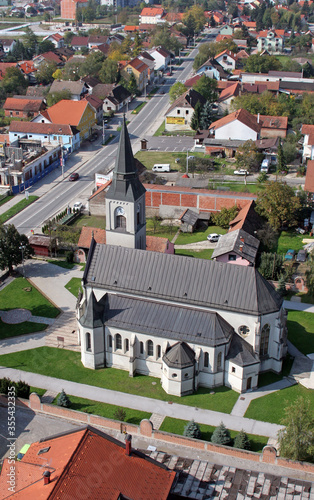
(144, 404)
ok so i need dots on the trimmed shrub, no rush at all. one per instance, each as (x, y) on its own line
(221, 435)
(192, 430)
(241, 441)
(64, 400)
(4, 384)
(69, 256)
(22, 389)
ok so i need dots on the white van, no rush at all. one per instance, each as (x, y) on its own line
(161, 167)
(265, 166)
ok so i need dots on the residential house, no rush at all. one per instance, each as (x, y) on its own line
(97, 105)
(308, 141)
(97, 40)
(87, 464)
(237, 247)
(8, 44)
(273, 126)
(90, 82)
(69, 8)
(78, 42)
(226, 97)
(23, 106)
(226, 30)
(309, 178)
(272, 41)
(218, 17)
(152, 15)
(29, 71)
(102, 90)
(227, 60)
(46, 133)
(140, 71)
(47, 57)
(78, 114)
(5, 66)
(116, 99)
(151, 63)
(179, 115)
(77, 89)
(247, 220)
(162, 58)
(36, 91)
(240, 125)
(56, 39)
(213, 69)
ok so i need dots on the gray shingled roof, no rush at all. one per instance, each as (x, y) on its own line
(240, 242)
(125, 182)
(179, 356)
(93, 316)
(168, 321)
(241, 352)
(178, 278)
(189, 217)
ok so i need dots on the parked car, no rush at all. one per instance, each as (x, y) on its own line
(77, 206)
(169, 73)
(22, 452)
(242, 171)
(301, 256)
(213, 237)
(191, 157)
(74, 176)
(290, 255)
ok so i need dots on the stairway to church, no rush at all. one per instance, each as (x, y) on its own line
(63, 333)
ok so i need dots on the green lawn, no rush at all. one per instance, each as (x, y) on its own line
(301, 330)
(15, 296)
(91, 221)
(202, 254)
(39, 391)
(198, 235)
(7, 330)
(6, 199)
(105, 410)
(270, 377)
(176, 426)
(67, 365)
(239, 187)
(271, 408)
(289, 240)
(160, 130)
(74, 285)
(17, 208)
(160, 229)
(62, 263)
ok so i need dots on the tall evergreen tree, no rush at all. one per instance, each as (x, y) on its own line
(192, 430)
(242, 441)
(221, 435)
(195, 122)
(281, 163)
(206, 117)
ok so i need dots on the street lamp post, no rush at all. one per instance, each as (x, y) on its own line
(103, 132)
(187, 163)
(22, 248)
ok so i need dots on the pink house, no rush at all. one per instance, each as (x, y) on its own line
(237, 247)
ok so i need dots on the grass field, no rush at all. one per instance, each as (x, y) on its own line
(62, 263)
(289, 240)
(105, 410)
(176, 426)
(74, 285)
(17, 208)
(239, 187)
(271, 408)
(15, 296)
(271, 378)
(155, 228)
(198, 235)
(67, 365)
(301, 330)
(7, 330)
(91, 221)
(202, 254)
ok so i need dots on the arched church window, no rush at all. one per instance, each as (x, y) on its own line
(158, 351)
(138, 214)
(120, 220)
(141, 348)
(150, 348)
(118, 341)
(243, 330)
(206, 360)
(110, 341)
(88, 342)
(264, 340)
(126, 345)
(219, 358)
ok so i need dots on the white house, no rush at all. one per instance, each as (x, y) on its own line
(212, 69)
(56, 39)
(152, 15)
(162, 58)
(8, 44)
(46, 133)
(190, 322)
(227, 60)
(179, 115)
(240, 125)
(308, 141)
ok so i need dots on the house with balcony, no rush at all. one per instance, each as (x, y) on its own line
(272, 41)
(52, 134)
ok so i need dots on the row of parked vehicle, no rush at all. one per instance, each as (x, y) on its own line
(301, 256)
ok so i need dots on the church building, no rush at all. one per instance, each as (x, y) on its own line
(190, 322)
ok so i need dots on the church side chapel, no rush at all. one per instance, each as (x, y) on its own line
(190, 322)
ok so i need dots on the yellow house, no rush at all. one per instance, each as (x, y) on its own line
(139, 70)
(79, 114)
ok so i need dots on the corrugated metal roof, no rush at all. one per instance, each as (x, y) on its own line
(178, 278)
(241, 352)
(183, 324)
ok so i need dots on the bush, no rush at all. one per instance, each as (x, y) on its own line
(192, 430)
(120, 414)
(241, 441)
(224, 217)
(281, 288)
(271, 265)
(221, 435)
(63, 400)
(4, 384)
(22, 389)
(69, 256)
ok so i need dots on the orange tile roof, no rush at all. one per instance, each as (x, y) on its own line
(139, 65)
(274, 122)
(27, 104)
(151, 11)
(67, 112)
(86, 236)
(27, 67)
(309, 178)
(156, 244)
(226, 52)
(242, 115)
(223, 37)
(230, 91)
(89, 464)
(307, 129)
(131, 28)
(250, 24)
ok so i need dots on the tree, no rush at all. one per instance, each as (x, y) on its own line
(248, 157)
(195, 121)
(296, 441)
(45, 46)
(224, 217)
(267, 236)
(221, 435)
(109, 71)
(30, 41)
(281, 163)
(278, 204)
(176, 90)
(162, 37)
(45, 72)
(271, 265)
(138, 44)
(281, 288)
(261, 64)
(192, 430)
(92, 64)
(242, 441)
(207, 88)
(120, 414)
(132, 85)
(309, 274)
(58, 96)
(10, 242)
(206, 116)
(13, 81)
(64, 400)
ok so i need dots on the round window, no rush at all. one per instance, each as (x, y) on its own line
(174, 375)
(244, 330)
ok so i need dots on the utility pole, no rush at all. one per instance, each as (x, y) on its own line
(22, 248)
(103, 132)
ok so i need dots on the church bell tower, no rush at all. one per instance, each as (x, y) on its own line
(125, 200)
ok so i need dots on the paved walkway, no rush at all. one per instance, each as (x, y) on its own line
(144, 404)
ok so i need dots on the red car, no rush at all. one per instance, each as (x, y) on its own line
(74, 176)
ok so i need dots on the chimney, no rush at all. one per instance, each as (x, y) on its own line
(257, 117)
(242, 239)
(128, 442)
(46, 475)
(241, 248)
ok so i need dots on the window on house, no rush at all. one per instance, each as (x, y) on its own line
(206, 360)
(264, 340)
(219, 361)
(126, 345)
(110, 341)
(158, 351)
(174, 375)
(186, 111)
(17, 113)
(88, 342)
(141, 348)
(121, 222)
(178, 111)
(150, 348)
(233, 369)
(232, 257)
(118, 341)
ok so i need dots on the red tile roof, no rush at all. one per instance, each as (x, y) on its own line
(87, 233)
(26, 105)
(27, 67)
(241, 115)
(230, 91)
(139, 65)
(67, 112)
(131, 28)
(309, 178)
(223, 37)
(4, 67)
(40, 128)
(151, 12)
(307, 129)
(191, 81)
(227, 53)
(274, 122)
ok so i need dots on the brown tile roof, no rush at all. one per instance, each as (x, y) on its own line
(86, 236)
(139, 65)
(247, 219)
(94, 101)
(231, 91)
(102, 90)
(40, 128)
(191, 81)
(79, 41)
(307, 129)
(187, 100)
(274, 122)
(4, 67)
(242, 115)
(309, 178)
(156, 244)
(27, 104)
